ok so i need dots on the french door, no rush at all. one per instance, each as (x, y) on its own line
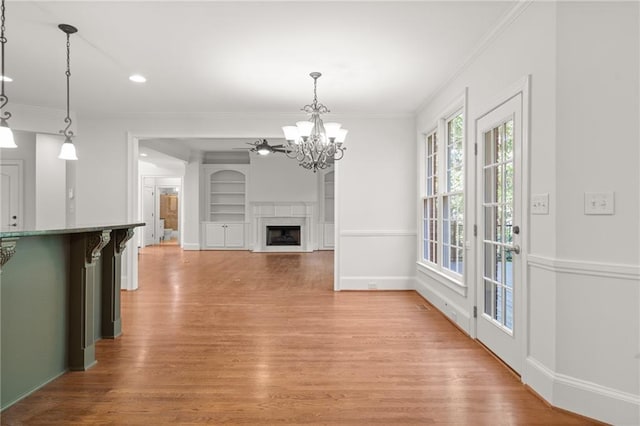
(500, 280)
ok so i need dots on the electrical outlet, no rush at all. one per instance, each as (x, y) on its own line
(373, 285)
(598, 203)
(540, 203)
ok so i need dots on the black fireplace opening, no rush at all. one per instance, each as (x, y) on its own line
(283, 235)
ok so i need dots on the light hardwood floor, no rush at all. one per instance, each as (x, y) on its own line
(244, 338)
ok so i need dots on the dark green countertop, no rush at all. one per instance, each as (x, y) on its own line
(70, 230)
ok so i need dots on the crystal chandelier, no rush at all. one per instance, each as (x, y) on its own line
(316, 145)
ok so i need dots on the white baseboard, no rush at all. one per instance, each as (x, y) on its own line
(124, 282)
(538, 377)
(587, 398)
(376, 283)
(190, 246)
(451, 310)
(282, 249)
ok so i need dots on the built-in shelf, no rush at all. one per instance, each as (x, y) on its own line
(227, 195)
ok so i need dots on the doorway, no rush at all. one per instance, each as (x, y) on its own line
(168, 207)
(12, 195)
(144, 155)
(501, 232)
(161, 205)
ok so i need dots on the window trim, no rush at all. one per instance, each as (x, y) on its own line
(453, 279)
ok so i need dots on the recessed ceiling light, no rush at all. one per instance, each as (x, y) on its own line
(144, 154)
(6, 78)
(137, 78)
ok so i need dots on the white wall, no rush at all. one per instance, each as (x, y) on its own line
(106, 142)
(146, 168)
(50, 187)
(375, 195)
(101, 191)
(598, 132)
(373, 199)
(583, 271)
(598, 322)
(275, 177)
(39, 119)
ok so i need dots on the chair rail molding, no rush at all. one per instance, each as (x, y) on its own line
(379, 233)
(582, 267)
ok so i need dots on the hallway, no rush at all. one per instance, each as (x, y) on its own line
(243, 338)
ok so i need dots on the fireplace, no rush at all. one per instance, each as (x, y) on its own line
(280, 235)
(283, 227)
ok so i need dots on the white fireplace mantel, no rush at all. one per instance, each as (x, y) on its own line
(286, 214)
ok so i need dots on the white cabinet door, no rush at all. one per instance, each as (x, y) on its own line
(234, 236)
(214, 235)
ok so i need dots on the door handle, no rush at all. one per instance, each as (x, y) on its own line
(514, 248)
(13, 224)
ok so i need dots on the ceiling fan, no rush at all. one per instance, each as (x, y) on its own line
(262, 147)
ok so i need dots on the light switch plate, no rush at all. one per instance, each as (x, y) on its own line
(599, 203)
(540, 203)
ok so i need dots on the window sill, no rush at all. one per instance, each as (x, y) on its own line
(442, 278)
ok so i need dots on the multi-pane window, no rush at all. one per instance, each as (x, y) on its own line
(430, 214)
(443, 205)
(453, 198)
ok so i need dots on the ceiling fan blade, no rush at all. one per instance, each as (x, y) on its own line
(277, 146)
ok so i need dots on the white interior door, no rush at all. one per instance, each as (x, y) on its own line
(10, 206)
(500, 236)
(148, 216)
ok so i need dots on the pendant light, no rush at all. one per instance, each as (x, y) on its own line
(68, 150)
(6, 135)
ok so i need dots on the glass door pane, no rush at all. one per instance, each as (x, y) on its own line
(498, 207)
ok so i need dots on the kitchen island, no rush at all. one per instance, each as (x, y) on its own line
(59, 294)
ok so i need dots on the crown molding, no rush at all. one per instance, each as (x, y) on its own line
(507, 19)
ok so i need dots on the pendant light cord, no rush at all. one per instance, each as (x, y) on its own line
(66, 132)
(5, 115)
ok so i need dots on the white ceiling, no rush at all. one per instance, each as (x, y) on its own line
(212, 56)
